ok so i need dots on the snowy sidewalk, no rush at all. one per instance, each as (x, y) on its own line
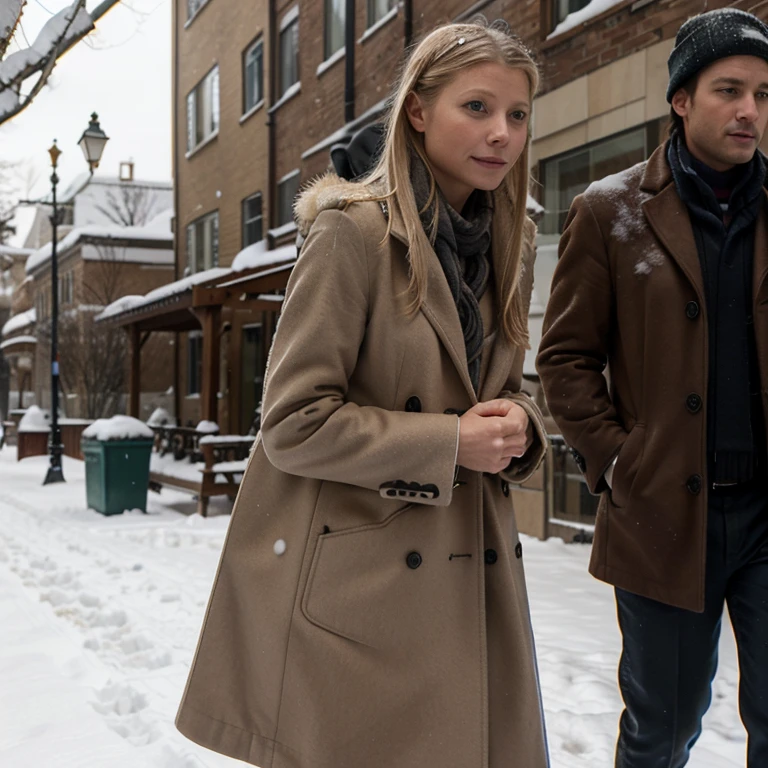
(99, 618)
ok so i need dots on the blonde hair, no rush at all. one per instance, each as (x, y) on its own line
(435, 61)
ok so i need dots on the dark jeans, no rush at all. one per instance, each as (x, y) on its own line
(670, 655)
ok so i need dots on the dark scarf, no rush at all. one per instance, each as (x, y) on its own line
(724, 234)
(462, 244)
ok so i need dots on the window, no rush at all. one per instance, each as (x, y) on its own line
(568, 175)
(289, 54)
(252, 219)
(203, 243)
(194, 363)
(287, 188)
(334, 26)
(203, 110)
(378, 9)
(564, 7)
(66, 288)
(253, 76)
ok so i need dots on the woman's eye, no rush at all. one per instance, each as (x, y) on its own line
(475, 106)
(519, 115)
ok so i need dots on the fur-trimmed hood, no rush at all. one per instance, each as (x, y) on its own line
(327, 192)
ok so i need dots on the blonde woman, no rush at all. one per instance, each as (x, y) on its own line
(370, 608)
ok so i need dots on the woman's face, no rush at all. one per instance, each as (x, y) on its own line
(475, 130)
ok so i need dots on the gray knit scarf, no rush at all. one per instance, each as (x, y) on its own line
(462, 245)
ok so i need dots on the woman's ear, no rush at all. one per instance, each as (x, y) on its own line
(415, 111)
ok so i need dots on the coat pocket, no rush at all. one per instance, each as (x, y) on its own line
(366, 583)
(627, 465)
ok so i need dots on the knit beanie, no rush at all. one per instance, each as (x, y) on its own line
(711, 36)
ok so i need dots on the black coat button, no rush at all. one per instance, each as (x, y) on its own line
(519, 550)
(491, 556)
(413, 404)
(505, 487)
(413, 560)
(694, 484)
(691, 310)
(693, 403)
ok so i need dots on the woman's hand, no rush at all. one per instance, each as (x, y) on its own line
(491, 434)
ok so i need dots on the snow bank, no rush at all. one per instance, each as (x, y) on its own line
(207, 426)
(257, 255)
(589, 11)
(118, 428)
(35, 420)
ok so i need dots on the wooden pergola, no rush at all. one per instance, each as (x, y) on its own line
(203, 307)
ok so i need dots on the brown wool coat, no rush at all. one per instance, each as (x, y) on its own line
(628, 291)
(393, 631)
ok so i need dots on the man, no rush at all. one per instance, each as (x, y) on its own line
(662, 278)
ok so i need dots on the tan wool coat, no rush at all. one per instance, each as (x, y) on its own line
(394, 630)
(628, 292)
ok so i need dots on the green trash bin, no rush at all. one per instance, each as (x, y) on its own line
(116, 474)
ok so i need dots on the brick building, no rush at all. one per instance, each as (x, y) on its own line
(263, 90)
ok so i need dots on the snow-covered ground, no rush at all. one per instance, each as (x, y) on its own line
(99, 618)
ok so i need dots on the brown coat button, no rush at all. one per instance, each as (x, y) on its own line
(413, 405)
(519, 550)
(693, 403)
(491, 556)
(691, 310)
(694, 484)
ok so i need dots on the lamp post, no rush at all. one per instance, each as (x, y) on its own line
(92, 143)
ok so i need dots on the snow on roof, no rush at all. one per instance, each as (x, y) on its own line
(17, 322)
(85, 179)
(164, 291)
(589, 11)
(150, 232)
(7, 250)
(257, 255)
(55, 29)
(17, 340)
(118, 428)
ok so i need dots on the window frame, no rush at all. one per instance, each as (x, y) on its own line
(295, 174)
(246, 221)
(329, 6)
(191, 242)
(288, 25)
(258, 42)
(214, 106)
(646, 130)
(371, 19)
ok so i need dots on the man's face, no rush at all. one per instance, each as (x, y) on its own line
(725, 118)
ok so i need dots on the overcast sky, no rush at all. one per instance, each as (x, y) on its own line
(122, 70)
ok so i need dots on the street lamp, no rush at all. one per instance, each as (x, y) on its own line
(92, 143)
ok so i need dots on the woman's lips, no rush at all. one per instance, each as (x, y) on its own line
(490, 162)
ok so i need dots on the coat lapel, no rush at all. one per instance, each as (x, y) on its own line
(760, 271)
(440, 309)
(668, 218)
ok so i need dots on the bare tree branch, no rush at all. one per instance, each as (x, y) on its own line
(59, 34)
(133, 207)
